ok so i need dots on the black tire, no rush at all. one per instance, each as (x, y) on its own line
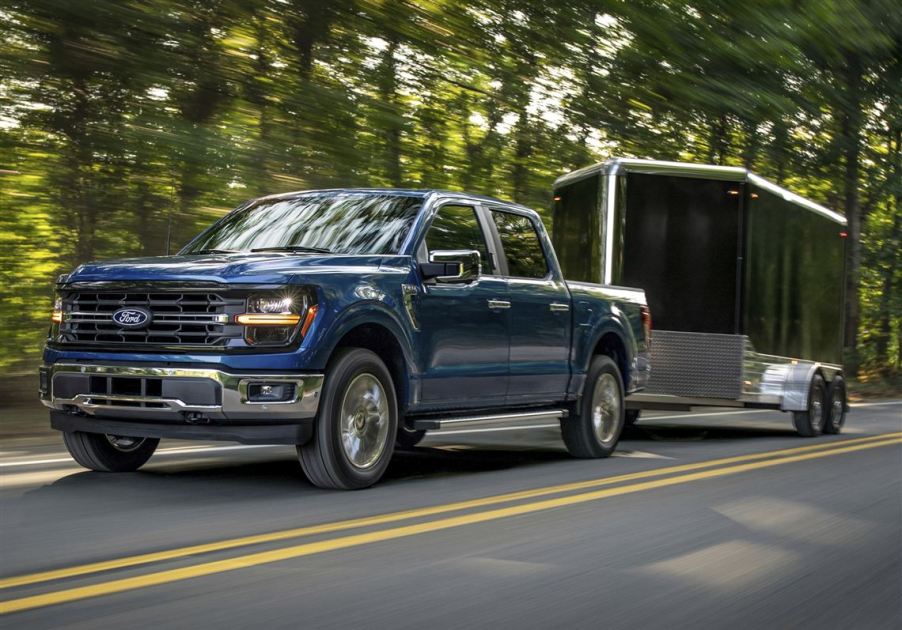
(632, 415)
(837, 406)
(408, 438)
(324, 458)
(810, 423)
(99, 452)
(579, 429)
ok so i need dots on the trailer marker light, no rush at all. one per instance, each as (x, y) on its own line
(733, 192)
(843, 234)
(557, 198)
(754, 195)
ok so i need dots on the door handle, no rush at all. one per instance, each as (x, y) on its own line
(557, 307)
(499, 304)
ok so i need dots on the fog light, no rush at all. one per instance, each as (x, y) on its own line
(270, 392)
(44, 381)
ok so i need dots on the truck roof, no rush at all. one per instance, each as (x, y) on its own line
(407, 192)
(688, 169)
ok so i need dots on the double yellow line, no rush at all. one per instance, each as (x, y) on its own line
(680, 474)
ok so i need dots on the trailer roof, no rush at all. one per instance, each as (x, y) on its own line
(685, 169)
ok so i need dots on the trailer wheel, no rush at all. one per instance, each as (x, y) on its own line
(632, 415)
(810, 423)
(594, 428)
(836, 406)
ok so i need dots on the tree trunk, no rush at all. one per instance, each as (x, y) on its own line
(388, 87)
(850, 130)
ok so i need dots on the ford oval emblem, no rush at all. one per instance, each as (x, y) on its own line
(132, 317)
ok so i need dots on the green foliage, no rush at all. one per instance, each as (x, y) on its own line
(122, 119)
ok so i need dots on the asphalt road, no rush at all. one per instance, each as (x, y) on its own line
(724, 520)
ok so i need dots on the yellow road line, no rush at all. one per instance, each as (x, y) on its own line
(382, 519)
(297, 551)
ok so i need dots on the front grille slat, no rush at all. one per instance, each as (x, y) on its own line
(179, 318)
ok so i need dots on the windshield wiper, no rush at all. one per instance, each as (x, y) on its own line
(213, 251)
(292, 248)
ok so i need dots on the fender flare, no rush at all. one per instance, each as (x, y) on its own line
(359, 314)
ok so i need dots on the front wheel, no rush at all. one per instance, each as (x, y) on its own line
(595, 427)
(356, 425)
(109, 453)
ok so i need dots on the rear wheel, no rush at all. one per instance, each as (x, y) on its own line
(837, 406)
(810, 423)
(357, 422)
(109, 453)
(408, 438)
(595, 427)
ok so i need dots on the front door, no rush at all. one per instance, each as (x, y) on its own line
(463, 327)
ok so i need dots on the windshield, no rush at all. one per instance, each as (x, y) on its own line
(341, 223)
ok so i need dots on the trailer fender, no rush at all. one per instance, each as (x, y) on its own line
(797, 384)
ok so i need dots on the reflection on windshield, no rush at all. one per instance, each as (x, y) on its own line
(343, 223)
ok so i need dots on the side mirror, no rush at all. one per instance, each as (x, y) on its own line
(452, 266)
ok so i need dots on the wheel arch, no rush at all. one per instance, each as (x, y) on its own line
(380, 339)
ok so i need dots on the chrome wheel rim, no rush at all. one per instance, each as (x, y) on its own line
(817, 410)
(124, 443)
(606, 410)
(837, 412)
(364, 421)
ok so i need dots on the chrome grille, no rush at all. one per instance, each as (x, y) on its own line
(179, 318)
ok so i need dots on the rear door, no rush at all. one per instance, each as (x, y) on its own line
(463, 327)
(540, 317)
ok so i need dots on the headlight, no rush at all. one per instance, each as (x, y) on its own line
(273, 319)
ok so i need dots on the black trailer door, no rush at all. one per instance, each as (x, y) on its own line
(681, 239)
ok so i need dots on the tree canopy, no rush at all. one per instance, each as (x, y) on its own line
(126, 123)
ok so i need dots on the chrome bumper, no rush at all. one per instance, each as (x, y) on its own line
(231, 402)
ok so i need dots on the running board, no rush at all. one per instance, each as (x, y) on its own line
(506, 420)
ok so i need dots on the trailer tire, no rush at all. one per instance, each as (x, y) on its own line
(810, 423)
(354, 436)
(594, 427)
(632, 415)
(109, 453)
(837, 406)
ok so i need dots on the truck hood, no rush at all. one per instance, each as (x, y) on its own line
(240, 268)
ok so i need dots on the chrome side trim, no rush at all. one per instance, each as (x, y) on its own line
(607, 219)
(235, 405)
(493, 420)
(765, 381)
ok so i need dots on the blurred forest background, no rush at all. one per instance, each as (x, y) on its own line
(120, 118)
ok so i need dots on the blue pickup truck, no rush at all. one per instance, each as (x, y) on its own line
(348, 323)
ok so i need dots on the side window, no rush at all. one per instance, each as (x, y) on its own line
(457, 227)
(522, 248)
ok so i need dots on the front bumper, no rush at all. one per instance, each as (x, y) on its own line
(182, 402)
